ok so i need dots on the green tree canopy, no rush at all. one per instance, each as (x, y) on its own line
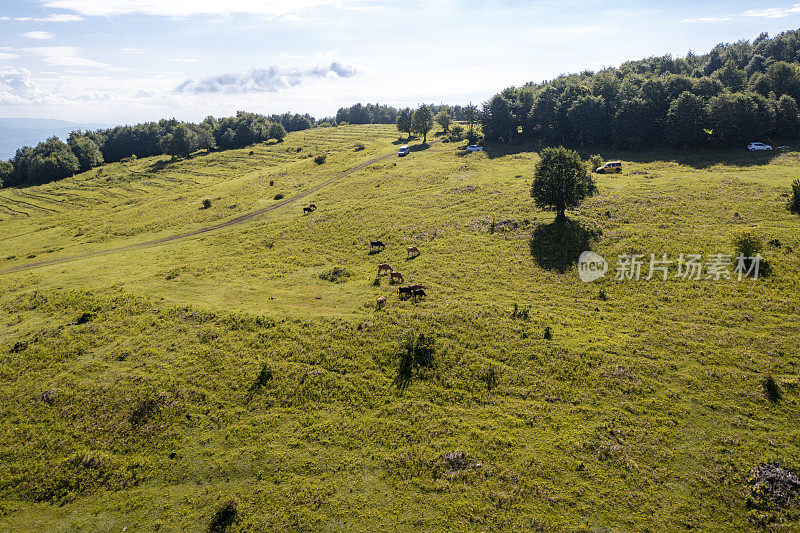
(444, 120)
(87, 152)
(561, 181)
(422, 122)
(404, 121)
(685, 120)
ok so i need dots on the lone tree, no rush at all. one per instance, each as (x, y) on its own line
(422, 122)
(404, 121)
(560, 181)
(444, 119)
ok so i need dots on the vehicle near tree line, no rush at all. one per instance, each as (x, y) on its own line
(756, 147)
(610, 167)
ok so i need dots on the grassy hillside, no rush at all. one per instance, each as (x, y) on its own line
(147, 388)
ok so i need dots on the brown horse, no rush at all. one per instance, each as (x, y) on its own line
(396, 276)
(412, 250)
(384, 267)
(418, 293)
(377, 245)
(404, 291)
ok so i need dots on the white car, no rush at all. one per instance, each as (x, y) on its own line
(474, 148)
(754, 147)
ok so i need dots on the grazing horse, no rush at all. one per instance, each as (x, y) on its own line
(418, 293)
(412, 250)
(377, 244)
(307, 210)
(404, 291)
(396, 276)
(381, 302)
(313, 207)
(384, 266)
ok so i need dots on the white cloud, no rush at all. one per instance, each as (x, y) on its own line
(709, 19)
(768, 12)
(132, 50)
(773, 12)
(16, 86)
(38, 35)
(49, 18)
(65, 56)
(5, 56)
(183, 8)
(183, 60)
(263, 80)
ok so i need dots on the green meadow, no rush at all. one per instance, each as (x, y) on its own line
(152, 372)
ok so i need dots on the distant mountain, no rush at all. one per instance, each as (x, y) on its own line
(18, 132)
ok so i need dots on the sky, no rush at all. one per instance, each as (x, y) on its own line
(127, 61)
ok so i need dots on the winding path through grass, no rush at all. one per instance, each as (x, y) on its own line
(186, 235)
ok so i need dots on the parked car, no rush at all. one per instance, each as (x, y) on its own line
(611, 167)
(474, 148)
(755, 147)
(404, 150)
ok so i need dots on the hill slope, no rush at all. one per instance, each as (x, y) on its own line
(148, 387)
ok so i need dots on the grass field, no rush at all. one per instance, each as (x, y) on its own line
(148, 387)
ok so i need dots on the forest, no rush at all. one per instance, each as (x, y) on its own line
(735, 94)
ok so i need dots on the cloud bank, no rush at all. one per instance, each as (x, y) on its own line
(264, 80)
(104, 8)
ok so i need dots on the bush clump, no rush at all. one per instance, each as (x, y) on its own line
(416, 351)
(771, 389)
(358, 147)
(320, 159)
(206, 204)
(594, 162)
(794, 198)
(278, 196)
(336, 275)
(224, 516)
(748, 246)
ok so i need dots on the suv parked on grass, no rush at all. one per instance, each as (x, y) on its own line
(755, 147)
(610, 167)
(404, 150)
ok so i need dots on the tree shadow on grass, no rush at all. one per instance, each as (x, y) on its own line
(558, 245)
(699, 158)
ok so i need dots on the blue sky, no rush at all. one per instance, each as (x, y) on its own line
(118, 61)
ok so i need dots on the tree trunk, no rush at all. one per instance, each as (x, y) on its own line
(561, 216)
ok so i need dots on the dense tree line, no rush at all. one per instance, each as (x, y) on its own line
(53, 159)
(735, 94)
(383, 114)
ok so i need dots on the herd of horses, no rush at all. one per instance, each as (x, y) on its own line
(414, 292)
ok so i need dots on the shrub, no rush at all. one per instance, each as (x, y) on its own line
(320, 159)
(206, 204)
(143, 411)
(271, 183)
(336, 275)
(489, 377)
(416, 351)
(263, 378)
(224, 516)
(359, 147)
(279, 196)
(794, 199)
(594, 162)
(749, 245)
(771, 389)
